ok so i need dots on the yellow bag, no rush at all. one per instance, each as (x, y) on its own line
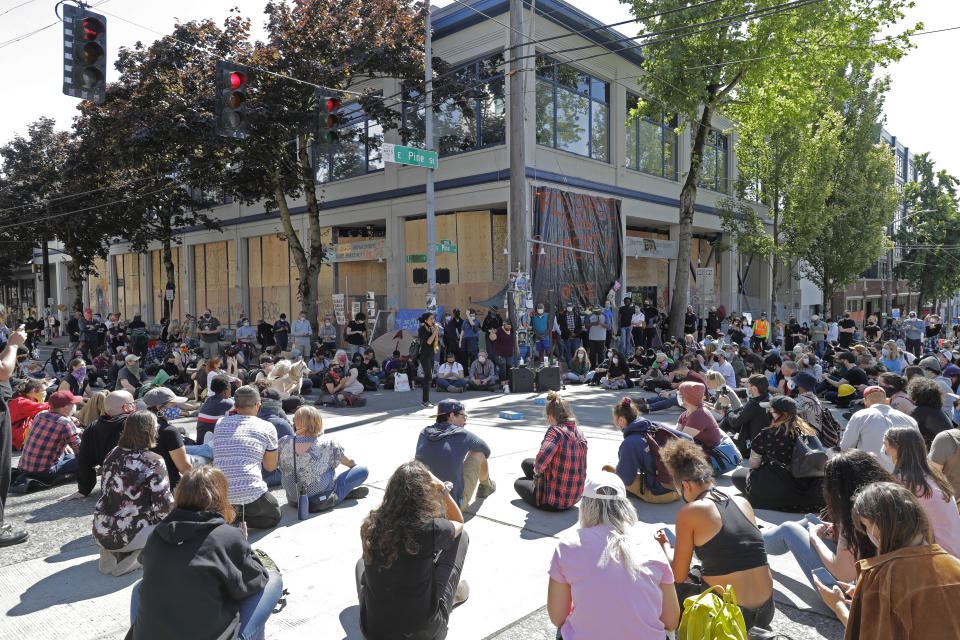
(708, 617)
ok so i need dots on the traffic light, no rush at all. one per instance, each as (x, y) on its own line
(329, 119)
(233, 80)
(84, 54)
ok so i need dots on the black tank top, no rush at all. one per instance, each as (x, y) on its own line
(738, 546)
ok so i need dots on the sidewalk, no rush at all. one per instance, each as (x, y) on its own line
(51, 582)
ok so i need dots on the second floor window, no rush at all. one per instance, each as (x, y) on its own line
(713, 173)
(359, 149)
(572, 110)
(652, 142)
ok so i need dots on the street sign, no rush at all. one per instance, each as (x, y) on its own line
(169, 294)
(446, 246)
(410, 155)
(416, 257)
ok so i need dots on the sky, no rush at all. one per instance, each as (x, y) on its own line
(919, 105)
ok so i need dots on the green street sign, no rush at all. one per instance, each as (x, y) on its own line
(416, 257)
(410, 155)
(446, 246)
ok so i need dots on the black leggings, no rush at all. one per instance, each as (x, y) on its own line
(446, 577)
(526, 487)
(6, 436)
(426, 362)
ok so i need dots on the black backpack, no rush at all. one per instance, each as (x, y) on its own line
(414, 351)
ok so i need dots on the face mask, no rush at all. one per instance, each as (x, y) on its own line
(616, 360)
(246, 324)
(473, 317)
(791, 384)
(886, 353)
(581, 355)
(72, 410)
(447, 318)
(183, 349)
(133, 366)
(206, 315)
(172, 413)
(481, 359)
(609, 354)
(326, 323)
(569, 308)
(39, 396)
(343, 360)
(539, 311)
(679, 400)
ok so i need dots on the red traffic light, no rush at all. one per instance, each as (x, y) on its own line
(91, 28)
(237, 80)
(333, 104)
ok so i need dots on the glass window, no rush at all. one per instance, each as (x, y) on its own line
(652, 142)
(358, 151)
(572, 110)
(713, 174)
(456, 129)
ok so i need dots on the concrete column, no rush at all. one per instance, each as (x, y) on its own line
(729, 261)
(188, 281)
(243, 277)
(112, 303)
(395, 255)
(150, 314)
(765, 273)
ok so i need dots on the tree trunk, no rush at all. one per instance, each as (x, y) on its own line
(171, 284)
(307, 276)
(688, 200)
(76, 277)
(774, 263)
(317, 253)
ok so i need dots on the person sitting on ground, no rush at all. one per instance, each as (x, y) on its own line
(136, 496)
(553, 481)
(129, 377)
(456, 455)
(198, 566)
(414, 547)
(668, 398)
(245, 444)
(450, 375)
(926, 396)
(697, 422)
(370, 374)
(882, 608)
(723, 532)
(27, 402)
(637, 464)
(895, 386)
(579, 369)
(768, 483)
(848, 373)
(391, 367)
(617, 374)
(271, 410)
(865, 428)
(602, 571)
(891, 358)
(340, 382)
(100, 439)
(721, 366)
(812, 411)
(317, 459)
(45, 460)
(726, 397)
(747, 423)
(483, 375)
(834, 544)
(906, 448)
(75, 381)
(171, 443)
(217, 404)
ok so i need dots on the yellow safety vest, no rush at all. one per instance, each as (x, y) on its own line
(760, 328)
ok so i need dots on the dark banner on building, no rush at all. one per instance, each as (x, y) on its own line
(579, 222)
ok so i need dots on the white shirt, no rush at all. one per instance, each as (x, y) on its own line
(446, 369)
(866, 428)
(637, 319)
(726, 370)
(238, 451)
(833, 332)
(301, 327)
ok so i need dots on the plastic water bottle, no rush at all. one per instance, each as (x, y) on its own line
(506, 386)
(303, 505)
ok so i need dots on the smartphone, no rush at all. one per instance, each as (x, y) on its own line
(813, 518)
(671, 538)
(825, 577)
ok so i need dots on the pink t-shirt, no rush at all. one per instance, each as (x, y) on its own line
(944, 519)
(607, 602)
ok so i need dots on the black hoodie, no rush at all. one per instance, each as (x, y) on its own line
(196, 570)
(98, 440)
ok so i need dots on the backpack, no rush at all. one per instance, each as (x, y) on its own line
(830, 429)
(657, 436)
(707, 616)
(414, 351)
(809, 457)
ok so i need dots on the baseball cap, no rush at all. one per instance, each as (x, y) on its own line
(161, 395)
(930, 363)
(131, 358)
(449, 406)
(604, 480)
(873, 389)
(946, 353)
(60, 399)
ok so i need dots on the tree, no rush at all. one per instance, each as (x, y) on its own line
(863, 194)
(339, 45)
(929, 241)
(732, 63)
(156, 129)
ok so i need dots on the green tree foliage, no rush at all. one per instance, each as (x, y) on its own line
(929, 257)
(737, 65)
(863, 196)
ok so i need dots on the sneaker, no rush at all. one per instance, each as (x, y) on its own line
(463, 592)
(108, 562)
(10, 536)
(427, 405)
(359, 492)
(324, 505)
(486, 488)
(28, 485)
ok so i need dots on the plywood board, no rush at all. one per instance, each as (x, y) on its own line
(474, 256)
(498, 225)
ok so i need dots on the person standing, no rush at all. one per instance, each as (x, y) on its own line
(209, 330)
(265, 335)
(542, 327)
(818, 334)
(428, 336)
(281, 332)
(8, 362)
(690, 322)
(651, 324)
(301, 330)
(570, 328)
(469, 334)
(73, 331)
(504, 348)
(597, 327)
(355, 335)
(846, 328)
(625, 316)
(913, 331)
(246, 335)
(761, 332)
(328, 336)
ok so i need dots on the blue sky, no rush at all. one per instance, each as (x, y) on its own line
(919, 106)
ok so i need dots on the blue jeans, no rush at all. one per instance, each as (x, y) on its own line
(614, 384)
(625, 339)
(794, 538)
(254, 609)
(443, 384)
(570, 346)
(345, 483)
(204, 451)
(659, 404)
(66, 464)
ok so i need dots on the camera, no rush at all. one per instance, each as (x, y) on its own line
(231, 350)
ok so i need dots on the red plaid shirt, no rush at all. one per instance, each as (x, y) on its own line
(562, 465)
(48, 437)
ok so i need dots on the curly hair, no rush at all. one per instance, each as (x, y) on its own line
(409, 503)
(925, 393)
(844, 475)
(686, 461)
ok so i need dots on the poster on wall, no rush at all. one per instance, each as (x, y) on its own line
(580, 222)
(339, 308)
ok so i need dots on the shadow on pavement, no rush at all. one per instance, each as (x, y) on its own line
(801, 590)
(545, 523)
(76, 583)
(82, 546)
(52, 511)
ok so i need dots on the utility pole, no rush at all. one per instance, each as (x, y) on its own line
(431, 302)
(519, 223)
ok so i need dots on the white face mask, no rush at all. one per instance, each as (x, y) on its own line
(791, 384)
(609, 354)
(481, 359)
(616, 360)
(73, 410)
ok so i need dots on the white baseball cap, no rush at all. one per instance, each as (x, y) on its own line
(601, 480)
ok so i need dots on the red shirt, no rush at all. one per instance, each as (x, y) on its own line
(562, 465)
(22, 408)
(49, 436)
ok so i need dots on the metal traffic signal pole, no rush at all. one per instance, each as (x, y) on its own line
(431, 302)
